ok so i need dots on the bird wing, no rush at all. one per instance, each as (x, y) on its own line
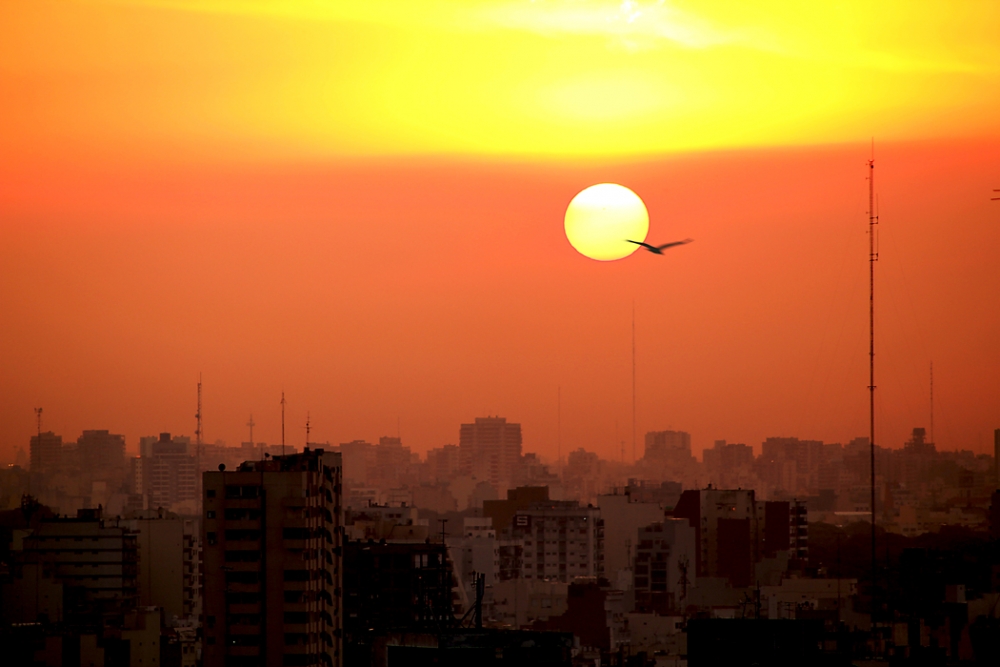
(670, 245)
(644, 245)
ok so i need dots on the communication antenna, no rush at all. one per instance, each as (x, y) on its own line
(197, 439)
(633, 381)
(559, 424)
(932, 402)
(872, 258)
(38, 414)
(251, 424)
(283, 424)
(308, 429)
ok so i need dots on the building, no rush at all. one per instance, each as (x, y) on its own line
(102, 457)
(168, 561)
(46, 452)
(725, 523)
(490, 449)
(394, 587)
(562, 540)
(272, 552)
(623, 516)
(475, 552)
(664, 566)
(96, 562)
(170, 474)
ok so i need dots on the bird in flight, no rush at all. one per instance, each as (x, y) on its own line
(658, 249)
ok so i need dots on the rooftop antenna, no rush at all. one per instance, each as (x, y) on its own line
(559, 424)
(283, 423)
(38, 415)
(932, 403)
(251, 424)
(308, 429)
(633, 381)
(872, 258)
(197, 434)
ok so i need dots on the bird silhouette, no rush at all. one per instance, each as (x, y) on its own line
(658, 249)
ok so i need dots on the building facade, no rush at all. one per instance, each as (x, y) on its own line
(562, 540)
(272, 541)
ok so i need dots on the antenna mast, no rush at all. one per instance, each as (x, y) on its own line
(872, 258)
(307, 430)
(633, 381)
(932, 402)
(197, 440)
(38, 414)
(559, 424)
(283, 423)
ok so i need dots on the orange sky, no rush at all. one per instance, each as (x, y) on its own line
(362, 205)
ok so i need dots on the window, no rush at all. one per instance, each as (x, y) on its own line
(296, 575)
(210, 514)
(210, 537)
(210, 493)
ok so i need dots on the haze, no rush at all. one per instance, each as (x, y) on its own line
(364, 210)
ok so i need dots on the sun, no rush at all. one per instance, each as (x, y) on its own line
(600, 218)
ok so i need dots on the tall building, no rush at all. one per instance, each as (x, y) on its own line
(664, 565)
(562, 540)
(95, 560)
(168, 561)
(490, 449)
(665, 444)
(46, 450)
(623, 516)
(726, 527)
(272, 552)
(170, 475)
(102, 456)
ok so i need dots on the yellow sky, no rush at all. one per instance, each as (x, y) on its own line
(297, 78)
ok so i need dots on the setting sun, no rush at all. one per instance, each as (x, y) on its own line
(601, 220)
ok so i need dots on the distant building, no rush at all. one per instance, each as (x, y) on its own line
(96, 561)
(996, 457)
(168, 561)
(490, 449)
(665, 557)
(102, 456)
(170, 473)
(562, 540)
(46, 451)
(623, 516)
(272, 552)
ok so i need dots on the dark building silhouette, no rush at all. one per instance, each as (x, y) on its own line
(46, 452)
(394, 587)
(272, 557)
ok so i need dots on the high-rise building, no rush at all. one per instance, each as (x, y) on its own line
(170, 475)
(726, 525)
(102, 456)
(46, 450)
(490, 449)
(562, 540)
(168, 561)
(95, 560)
(623, 516)
(272, 553)
(664, 565)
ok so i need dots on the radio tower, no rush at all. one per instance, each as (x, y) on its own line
(872, 258)
(633, 381)
(282, 423)
(932, 403)
(197, 435)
